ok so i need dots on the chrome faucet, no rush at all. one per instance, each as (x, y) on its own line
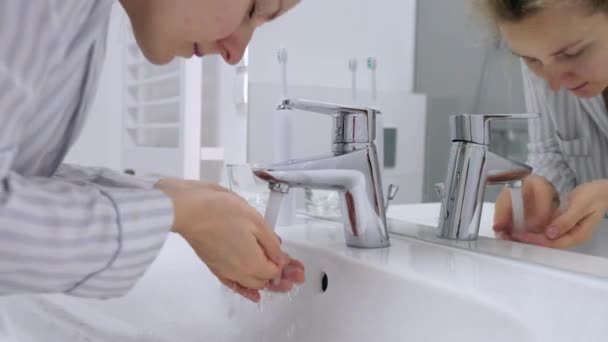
(352, 169)
(471, 166)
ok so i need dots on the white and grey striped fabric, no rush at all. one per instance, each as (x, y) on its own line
(85, 232)
(569, 144)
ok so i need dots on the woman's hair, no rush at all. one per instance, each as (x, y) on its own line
(517, 10)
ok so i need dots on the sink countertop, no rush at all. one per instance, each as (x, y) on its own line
(407, 289)
(590, 258)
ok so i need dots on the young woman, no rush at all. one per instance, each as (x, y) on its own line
(93, 232)
(564, 47)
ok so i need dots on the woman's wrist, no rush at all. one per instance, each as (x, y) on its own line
(603, 190)
(163, 185)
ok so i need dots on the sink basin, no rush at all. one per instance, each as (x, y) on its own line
(412, 291)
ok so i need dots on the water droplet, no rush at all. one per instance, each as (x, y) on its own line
(296, 290)
(231, 310)
(261, 305)
(291, 331)
(270, 297)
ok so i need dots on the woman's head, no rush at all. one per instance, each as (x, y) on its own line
(563, 41)
(166, 29)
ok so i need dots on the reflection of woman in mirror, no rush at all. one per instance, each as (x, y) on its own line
(564, 48)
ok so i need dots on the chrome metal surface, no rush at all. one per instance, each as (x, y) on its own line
(471, 167)
(353, 170)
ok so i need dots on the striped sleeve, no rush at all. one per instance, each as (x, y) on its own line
(104, 177)
(145, 216)
(84, 235)
(544, 152)
(77, 237)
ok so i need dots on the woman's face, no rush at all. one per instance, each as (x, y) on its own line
(166, 29)
(565, 45)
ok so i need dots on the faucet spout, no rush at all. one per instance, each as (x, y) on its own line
(501, 170)
(353, 170)
(355, 176)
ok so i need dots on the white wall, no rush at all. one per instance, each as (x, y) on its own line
(321, 36)
(99, 143)
(232, 116)
(224, 122)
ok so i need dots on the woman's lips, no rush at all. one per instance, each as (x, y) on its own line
(197, 50)
(579, 87)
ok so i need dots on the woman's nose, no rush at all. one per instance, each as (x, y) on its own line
(558, 78)
(234, 46)
(554, 83)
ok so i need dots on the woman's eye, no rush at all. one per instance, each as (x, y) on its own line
(531, 61)
(252, 11)
(569, 56)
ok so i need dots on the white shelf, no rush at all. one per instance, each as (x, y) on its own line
(212, 154)
(155, 79)
(166, 101)
(153, 125)
(162, 115)
(147, 159)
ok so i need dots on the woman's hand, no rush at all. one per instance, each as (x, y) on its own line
(539, 208)
(229, 236)
(292, 274)
(576, 221)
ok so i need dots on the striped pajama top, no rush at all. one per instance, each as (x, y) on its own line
(569, 143)
(82, 231)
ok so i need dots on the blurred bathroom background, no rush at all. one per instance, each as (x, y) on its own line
(191, 118)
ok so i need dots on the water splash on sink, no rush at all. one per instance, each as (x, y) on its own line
(295, 291)
(249, 319)
(268, 297)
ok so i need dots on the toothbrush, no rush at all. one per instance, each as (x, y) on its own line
(282, 123)
(283, 128)
(352, 66)
(283, 58)
(372, 64)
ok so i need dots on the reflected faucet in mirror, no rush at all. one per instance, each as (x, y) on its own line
(471, 167)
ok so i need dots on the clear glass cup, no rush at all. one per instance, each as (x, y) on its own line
(322, 203)
(244, 183)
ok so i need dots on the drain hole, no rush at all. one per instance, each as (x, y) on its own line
(324, 282)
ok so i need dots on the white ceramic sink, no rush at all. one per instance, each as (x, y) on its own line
(412, 291)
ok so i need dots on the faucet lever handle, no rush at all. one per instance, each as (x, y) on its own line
(392, 193)
(352, 125)
(475, 128)
(325, 108)
(440, 192)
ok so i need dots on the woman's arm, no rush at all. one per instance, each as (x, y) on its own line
(74, 236)
(80, 238)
